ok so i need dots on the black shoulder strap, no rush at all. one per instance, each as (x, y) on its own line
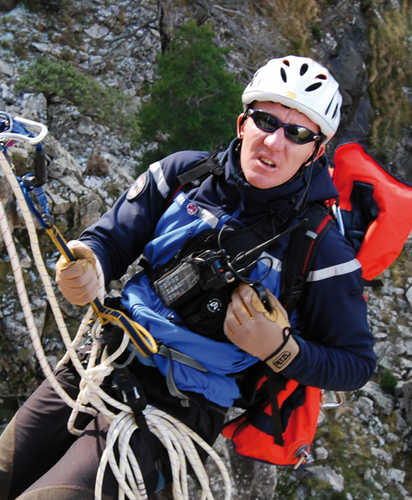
(301, 251)
(296, 266)
(197, 173)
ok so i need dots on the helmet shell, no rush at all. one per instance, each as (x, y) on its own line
(300, 83)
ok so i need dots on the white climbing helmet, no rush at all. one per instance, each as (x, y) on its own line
(300, 83)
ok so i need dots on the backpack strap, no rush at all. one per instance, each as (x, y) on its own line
(296, 266)
(197, 173)
(301, 252)
(276, 384)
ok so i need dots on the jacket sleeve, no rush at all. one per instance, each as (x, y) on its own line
(120, 235)
(336, 345)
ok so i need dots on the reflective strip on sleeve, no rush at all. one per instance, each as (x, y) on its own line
(330, 272)
(157, 172)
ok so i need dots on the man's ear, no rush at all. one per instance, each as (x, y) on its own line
(320, 152)
(322, 148)
(240, 126)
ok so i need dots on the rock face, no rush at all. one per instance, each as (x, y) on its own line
(362, 450)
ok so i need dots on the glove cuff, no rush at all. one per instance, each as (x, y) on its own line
(284, 355)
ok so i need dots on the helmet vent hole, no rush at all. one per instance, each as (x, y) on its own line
(336, 111)
(303, 69)
(313, 87)
(328, 108)
(283, 75)
(322, 77)
(286, 62)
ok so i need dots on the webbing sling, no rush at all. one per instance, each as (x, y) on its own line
(196, 174)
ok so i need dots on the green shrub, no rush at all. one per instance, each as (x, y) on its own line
(388, 382)
(61, 79)
(45, 5)
(195, 102)
(317, 32)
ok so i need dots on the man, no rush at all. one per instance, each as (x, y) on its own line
(194, 295)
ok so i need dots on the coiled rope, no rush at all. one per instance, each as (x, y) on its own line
(177, 438)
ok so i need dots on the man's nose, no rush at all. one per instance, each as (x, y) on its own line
(275, 139)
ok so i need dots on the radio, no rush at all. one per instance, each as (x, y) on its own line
(196, 273)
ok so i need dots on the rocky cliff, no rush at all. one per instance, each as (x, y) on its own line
(362, 450)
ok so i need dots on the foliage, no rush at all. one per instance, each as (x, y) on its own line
(401, 267)
(61, 79)
(317, 32)
(390, 71)
(388, 382)
(195, 102)
(295, 20)
(46, 5)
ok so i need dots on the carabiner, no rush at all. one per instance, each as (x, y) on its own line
(340, 400)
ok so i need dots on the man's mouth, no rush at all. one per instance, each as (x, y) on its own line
(267, 162)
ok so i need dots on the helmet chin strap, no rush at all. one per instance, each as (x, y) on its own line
(301, 201)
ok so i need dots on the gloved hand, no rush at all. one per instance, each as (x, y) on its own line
(78, 279)
(251, 327)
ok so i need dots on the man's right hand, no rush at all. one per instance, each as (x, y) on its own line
(78, 279)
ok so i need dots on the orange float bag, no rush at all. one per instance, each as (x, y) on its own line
(281, 429)
(376, 207)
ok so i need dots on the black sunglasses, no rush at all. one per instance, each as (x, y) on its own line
(269, 123)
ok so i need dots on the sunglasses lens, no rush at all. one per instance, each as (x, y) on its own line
(269, 123)
(265, 121)
(300, 135)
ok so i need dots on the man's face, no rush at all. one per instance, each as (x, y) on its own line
(269, 159)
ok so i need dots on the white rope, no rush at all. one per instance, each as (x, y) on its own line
(25, 303)
(177, 438)
(179, 441)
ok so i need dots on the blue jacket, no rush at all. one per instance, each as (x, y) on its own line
(336, 346)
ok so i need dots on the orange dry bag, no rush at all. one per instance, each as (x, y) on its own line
(281, 429)
(376, 206)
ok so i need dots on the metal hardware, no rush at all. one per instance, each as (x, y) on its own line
(304, 456)
(338, 395)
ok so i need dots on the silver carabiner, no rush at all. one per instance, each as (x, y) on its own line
(337, 215)
(340, 400)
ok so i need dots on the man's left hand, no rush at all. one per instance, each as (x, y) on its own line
(251, 327)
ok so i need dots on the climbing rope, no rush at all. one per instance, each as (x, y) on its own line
(177, 438)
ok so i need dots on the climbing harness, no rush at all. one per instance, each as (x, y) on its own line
(176, 437)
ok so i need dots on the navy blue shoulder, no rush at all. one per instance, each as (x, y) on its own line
(179, 162)
(335, 254)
